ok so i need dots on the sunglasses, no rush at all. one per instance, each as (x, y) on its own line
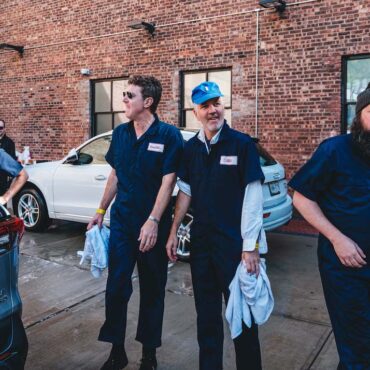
(129, 94)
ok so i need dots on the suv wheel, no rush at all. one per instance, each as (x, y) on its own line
(31, 207)
(183, 235)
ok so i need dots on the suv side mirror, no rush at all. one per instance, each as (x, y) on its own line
(72, 156)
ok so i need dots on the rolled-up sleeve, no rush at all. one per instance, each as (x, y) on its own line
(252, 218)
(9, 165)
(315, 176)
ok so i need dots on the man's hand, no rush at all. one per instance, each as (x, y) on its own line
(251, 261)
(96, 220)
(148, 236)
(3, 200)
(171, 247)
(349, 253)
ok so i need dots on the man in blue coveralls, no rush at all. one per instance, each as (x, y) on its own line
(13, 169)
(332, 192)
(220, 175)
(144, 155)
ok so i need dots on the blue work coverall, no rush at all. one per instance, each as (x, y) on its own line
(140, 165)
(339, 181)
(218, 181)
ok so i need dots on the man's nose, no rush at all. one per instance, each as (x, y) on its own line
(211, 108)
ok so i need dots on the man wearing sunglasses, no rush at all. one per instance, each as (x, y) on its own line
(144, 155)
(8, 145)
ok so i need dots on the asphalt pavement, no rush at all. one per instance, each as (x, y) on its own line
(64, 308)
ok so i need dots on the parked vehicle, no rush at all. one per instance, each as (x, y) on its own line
(71, 188)
(13, 340)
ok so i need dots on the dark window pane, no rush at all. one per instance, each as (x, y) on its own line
(103, 123)
(351, 112)
(358, 76)
(103, 96)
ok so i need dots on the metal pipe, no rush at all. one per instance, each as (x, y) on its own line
(257, 70)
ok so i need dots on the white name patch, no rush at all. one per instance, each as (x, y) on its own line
(153, 147)
(229, 160)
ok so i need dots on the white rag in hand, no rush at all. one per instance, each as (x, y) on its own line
(249, 296)
(96, 249)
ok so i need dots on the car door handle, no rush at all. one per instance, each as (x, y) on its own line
(100, 177)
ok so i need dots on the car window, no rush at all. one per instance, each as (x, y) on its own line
(95, 151)
(266, 159)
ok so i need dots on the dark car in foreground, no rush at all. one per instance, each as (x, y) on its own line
(13, 340)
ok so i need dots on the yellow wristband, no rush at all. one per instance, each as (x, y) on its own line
(257, 246)
(101, 211)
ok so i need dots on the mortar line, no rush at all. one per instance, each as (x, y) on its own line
(320, 350)
(65, 309)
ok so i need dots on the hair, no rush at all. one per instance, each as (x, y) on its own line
(356, 126)
(150, 88)
(1, 120)
(360, 138)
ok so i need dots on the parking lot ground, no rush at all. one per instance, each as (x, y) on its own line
(64, 308)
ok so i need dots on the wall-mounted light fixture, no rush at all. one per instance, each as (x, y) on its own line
(149, 26)
(19, 49)
(279, 5)
(85, 71)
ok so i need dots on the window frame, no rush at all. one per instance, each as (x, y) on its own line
(344, 102)
(182, 109)
(93, 127)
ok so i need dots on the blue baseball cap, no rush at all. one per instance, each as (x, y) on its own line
(205, 91)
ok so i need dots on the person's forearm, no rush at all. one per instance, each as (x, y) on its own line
(311, 211)
(164, 195)
(110, 191)
(182, 205)
(16, 185)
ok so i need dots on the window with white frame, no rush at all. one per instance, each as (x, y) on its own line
(107, 105)
(356, 77)
(191, 79)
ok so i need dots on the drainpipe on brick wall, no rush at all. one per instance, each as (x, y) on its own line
(257, 69)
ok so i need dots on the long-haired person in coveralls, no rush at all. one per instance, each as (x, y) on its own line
(144, 155)
(220, 175)
(332, 192)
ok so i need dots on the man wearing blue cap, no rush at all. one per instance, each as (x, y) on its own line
(220, 175)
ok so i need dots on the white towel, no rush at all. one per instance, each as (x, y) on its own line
(96, 249)
(249, 296)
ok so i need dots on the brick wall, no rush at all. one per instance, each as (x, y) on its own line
(46, 101)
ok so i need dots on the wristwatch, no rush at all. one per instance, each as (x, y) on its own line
(152, 218)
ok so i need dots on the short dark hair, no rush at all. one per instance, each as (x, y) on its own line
(1, 120)
(150, 88)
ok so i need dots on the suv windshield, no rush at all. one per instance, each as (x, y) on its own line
(266, 159)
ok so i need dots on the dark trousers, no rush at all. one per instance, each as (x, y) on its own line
(152, 268)
(211, 275)
(347, 296)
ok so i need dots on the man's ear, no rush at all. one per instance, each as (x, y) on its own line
(148, 102)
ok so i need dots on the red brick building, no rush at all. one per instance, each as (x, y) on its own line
(311, 62)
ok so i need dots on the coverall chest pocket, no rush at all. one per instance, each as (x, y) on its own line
(224, 174)
(151, 162)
